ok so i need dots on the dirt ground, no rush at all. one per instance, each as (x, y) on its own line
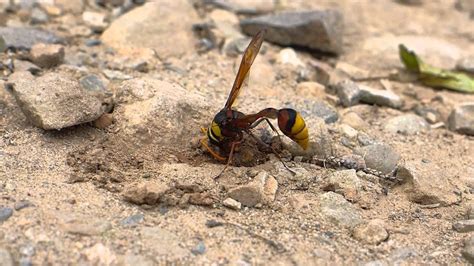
(75, 181)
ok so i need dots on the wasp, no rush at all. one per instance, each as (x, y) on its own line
(227, 128)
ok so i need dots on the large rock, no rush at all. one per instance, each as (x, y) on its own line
(462, 119)
(380, 97)
(320, 30)
(25, 38)
(380, 157)
(351, 93)
(339, 211)
(261, 190)
(155, 111)
(426, 183)
(408, 124)
(56, 100)
(161, 25)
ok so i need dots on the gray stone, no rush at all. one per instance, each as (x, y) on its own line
(199, 249)
(364, 139)
(25, 38)
(132, 220)
(22, 204)
(338, 210)
(380, 97)
(55, 100)
(320, 30)
(317, 108)
(6, 258)
(92, 42)
(38, 16)
(348, 92)
(408, 124)
(92, 83)
(372, 232)
(5, 213)
(380, 157)
(351, 93)
(464, 226)
(426, 183)
(461, 119)
(466, 64)
(47, 55)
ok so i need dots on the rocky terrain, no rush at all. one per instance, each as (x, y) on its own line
(102, 104)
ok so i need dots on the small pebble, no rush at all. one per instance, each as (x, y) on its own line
(232, 204)
(93, 42)
(213, 223)
(132, 220)
(22, 204)
(199, 249)
(5, 213)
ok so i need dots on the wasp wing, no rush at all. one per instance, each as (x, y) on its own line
(247, 60)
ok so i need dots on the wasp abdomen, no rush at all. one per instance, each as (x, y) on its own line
(292, 124)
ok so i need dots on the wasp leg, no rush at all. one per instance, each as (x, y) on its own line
(256, 123)
(273, 150)
(211, 151)
(231, 155)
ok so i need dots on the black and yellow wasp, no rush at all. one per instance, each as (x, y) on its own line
(226, 130)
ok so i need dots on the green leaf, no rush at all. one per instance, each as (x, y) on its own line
(409, 59)
(433, 76)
